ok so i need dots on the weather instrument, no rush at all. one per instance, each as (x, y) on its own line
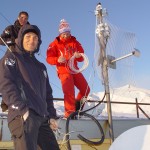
(110, 39)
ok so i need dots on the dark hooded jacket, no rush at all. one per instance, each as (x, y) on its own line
(11, 33)
(24, 82)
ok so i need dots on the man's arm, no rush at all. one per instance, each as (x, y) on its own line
(7, 36)
(49, 99)
(52, 56)
(9, 87)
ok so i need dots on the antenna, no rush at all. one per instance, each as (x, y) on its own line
(112, 60)
(103, 32)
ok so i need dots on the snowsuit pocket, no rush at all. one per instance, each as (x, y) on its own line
(16, 127)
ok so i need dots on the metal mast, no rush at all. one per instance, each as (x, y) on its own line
(102, 32)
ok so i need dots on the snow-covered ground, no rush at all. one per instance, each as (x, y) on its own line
(123, 94)
(126, 93)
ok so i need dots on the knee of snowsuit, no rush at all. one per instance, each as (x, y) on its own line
(82, 86)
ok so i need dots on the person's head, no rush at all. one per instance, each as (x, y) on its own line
(29, 38)
(64, 29)
(23, 18)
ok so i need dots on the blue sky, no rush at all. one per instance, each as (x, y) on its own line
(130, 15)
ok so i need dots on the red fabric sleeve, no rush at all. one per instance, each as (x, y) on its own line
(80, 50)
(52, 55)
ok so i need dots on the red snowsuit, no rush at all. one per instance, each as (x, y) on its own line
(67, 48)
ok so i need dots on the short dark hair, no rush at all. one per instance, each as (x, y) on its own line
(23, 12)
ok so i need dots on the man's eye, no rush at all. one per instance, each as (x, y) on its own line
(27, 36)
(36, 38)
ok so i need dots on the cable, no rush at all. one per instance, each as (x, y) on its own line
(71, 64)
(101, 131)
(80, 136)
(90, 116)
(5, 18)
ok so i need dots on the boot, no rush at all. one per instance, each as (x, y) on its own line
(78, 105)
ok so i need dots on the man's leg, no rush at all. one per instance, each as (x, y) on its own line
(16, 128)
(25, 133)
(83, 88)
(46, 138)
(69, 93)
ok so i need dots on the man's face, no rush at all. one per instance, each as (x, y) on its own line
(30, 41)
(23, 19)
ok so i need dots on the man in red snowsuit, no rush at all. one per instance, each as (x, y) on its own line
(59, 53)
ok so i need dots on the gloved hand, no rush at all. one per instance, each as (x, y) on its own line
(25, 116)
(10, 41)
(6, 34)
(53, 124)
(77, 55)
(61, 59)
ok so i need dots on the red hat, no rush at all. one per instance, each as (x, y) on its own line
(64, 26)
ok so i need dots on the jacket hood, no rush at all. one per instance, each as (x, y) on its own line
(25, 29)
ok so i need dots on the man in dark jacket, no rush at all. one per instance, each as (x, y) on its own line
(10, 34)
(9, 37)
(25, 89)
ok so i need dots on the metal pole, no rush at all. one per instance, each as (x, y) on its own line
(104, 66)
(135, 53)
(5, 44)
(122, 57)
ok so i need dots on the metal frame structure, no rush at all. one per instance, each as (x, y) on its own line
(102, 32)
